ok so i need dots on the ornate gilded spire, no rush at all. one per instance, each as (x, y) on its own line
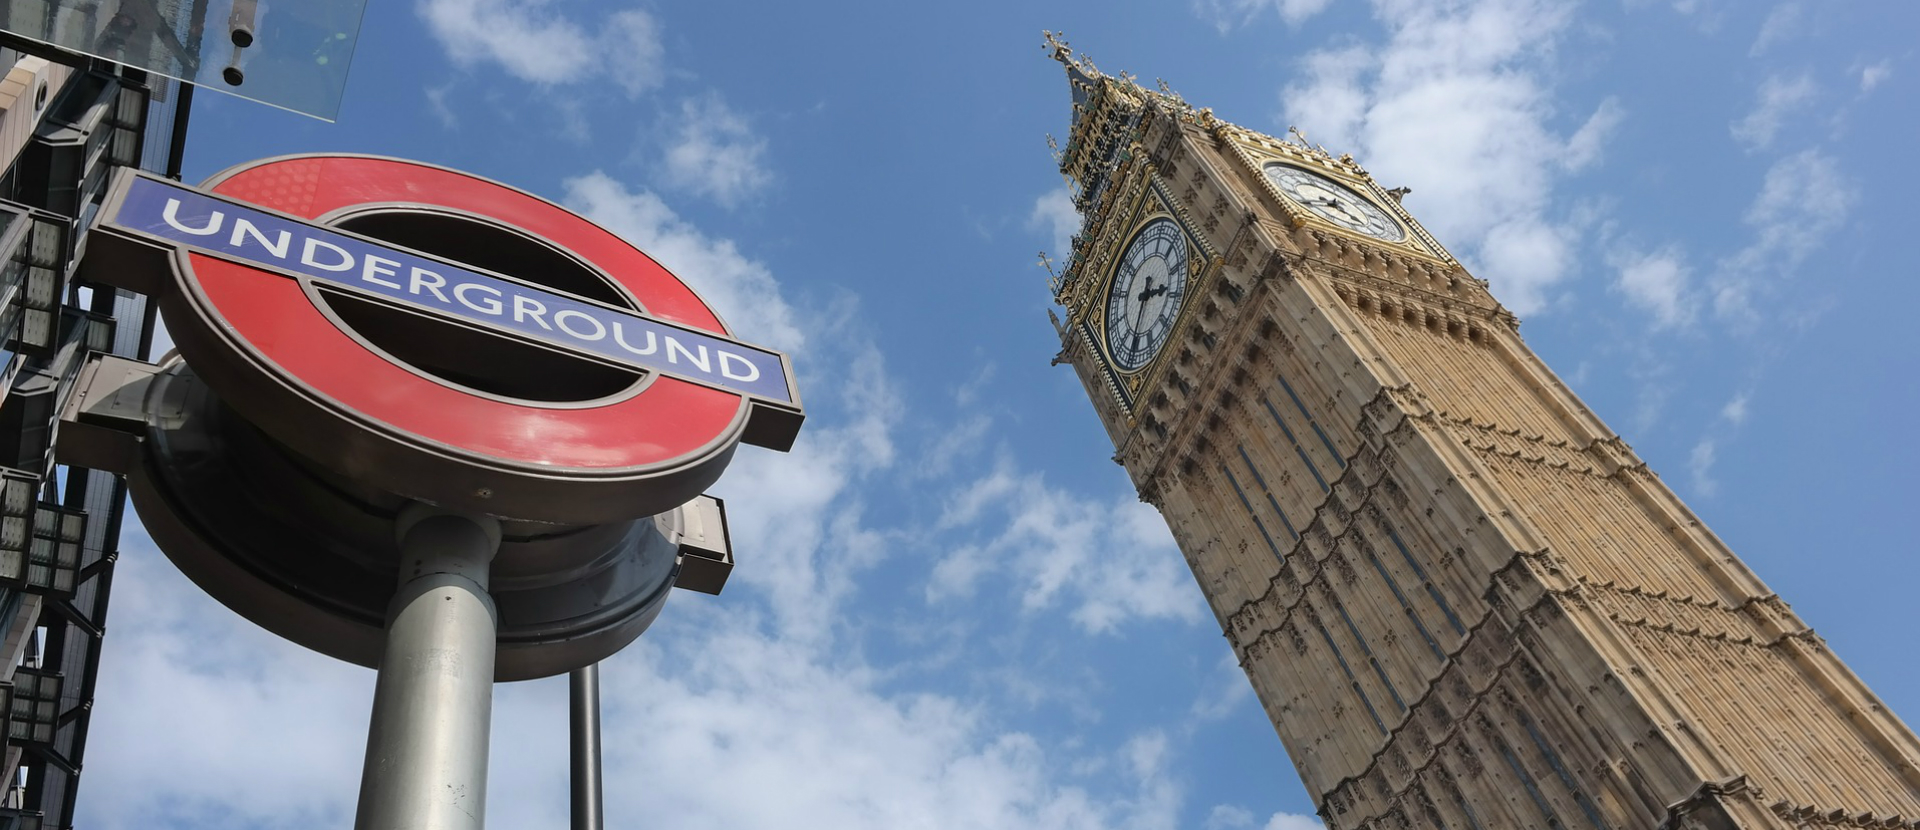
(1057, 44)
(1057, 47)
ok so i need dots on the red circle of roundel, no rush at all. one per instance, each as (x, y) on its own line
(669, 420)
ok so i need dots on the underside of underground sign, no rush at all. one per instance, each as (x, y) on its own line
(358, 335)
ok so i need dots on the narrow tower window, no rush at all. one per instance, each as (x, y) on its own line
(1267, 491)
(1432, 590)
(1465, 809)
(1533, 788)
(1560, 770)
(1250, 514)
(1405, 606)
(1351, 680)
(1371, 660)
(1296, 443)
(1337, 458)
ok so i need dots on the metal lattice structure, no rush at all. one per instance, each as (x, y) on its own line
(66, 121)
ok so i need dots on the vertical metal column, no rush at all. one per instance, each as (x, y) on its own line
(583, 712)
(426, 765)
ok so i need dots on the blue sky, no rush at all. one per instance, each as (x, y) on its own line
(949, 610)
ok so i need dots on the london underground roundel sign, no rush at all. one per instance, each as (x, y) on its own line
(446, 337)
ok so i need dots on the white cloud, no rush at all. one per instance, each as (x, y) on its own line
(1528, 255)
(1293, 821)
(1803, 201)
(968, 392)
(194, 700)
(1709, 15)
(1456, 104)
(954, 443)
(716, 154)
(1778, 98)
(1736, 409)
(1782, 24)
(629, 42)
(437, 102)
(1231, 688)
(1296, 12)
(1111, 562)
(1333, 102)
(1226, 15)
(1871, 76)
(1587, 143)
(754, 734)
(1229, 817)
(1652, 377)
(1705, 453)
(1659, 283)
(1054, 214)
(537, 43)
(207, 721)
(1700, 465)
(810, 544)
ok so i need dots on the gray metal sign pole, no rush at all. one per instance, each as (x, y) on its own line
(584, 717)
(426, 763)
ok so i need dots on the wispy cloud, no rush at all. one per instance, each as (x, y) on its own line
(1735, 412)
(1229, 817)
(437, 103)
(1457, 103)
(1658, 282)
(1786, 21)
(538, 43)
(1230, 690)
(1777, 99)
(629, 43)
(1054, 214)
(202, 700)
(1110, 562)
(1293, 821)
(1227, 15)
(1804, 199)
(715, 153)
(1706, 451)
(1873, 74)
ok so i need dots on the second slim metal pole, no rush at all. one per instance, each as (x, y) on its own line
(584, 718)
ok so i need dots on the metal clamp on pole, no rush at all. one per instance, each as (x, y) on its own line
(426, 765)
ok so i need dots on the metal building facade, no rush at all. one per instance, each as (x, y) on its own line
(65, 121)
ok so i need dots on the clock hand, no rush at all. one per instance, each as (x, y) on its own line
(1334, 204)
(1140, 311)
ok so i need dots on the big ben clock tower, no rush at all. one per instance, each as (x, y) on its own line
(1463, 601)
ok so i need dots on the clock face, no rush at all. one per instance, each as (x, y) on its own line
(1333, 202)
(1143, 301)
